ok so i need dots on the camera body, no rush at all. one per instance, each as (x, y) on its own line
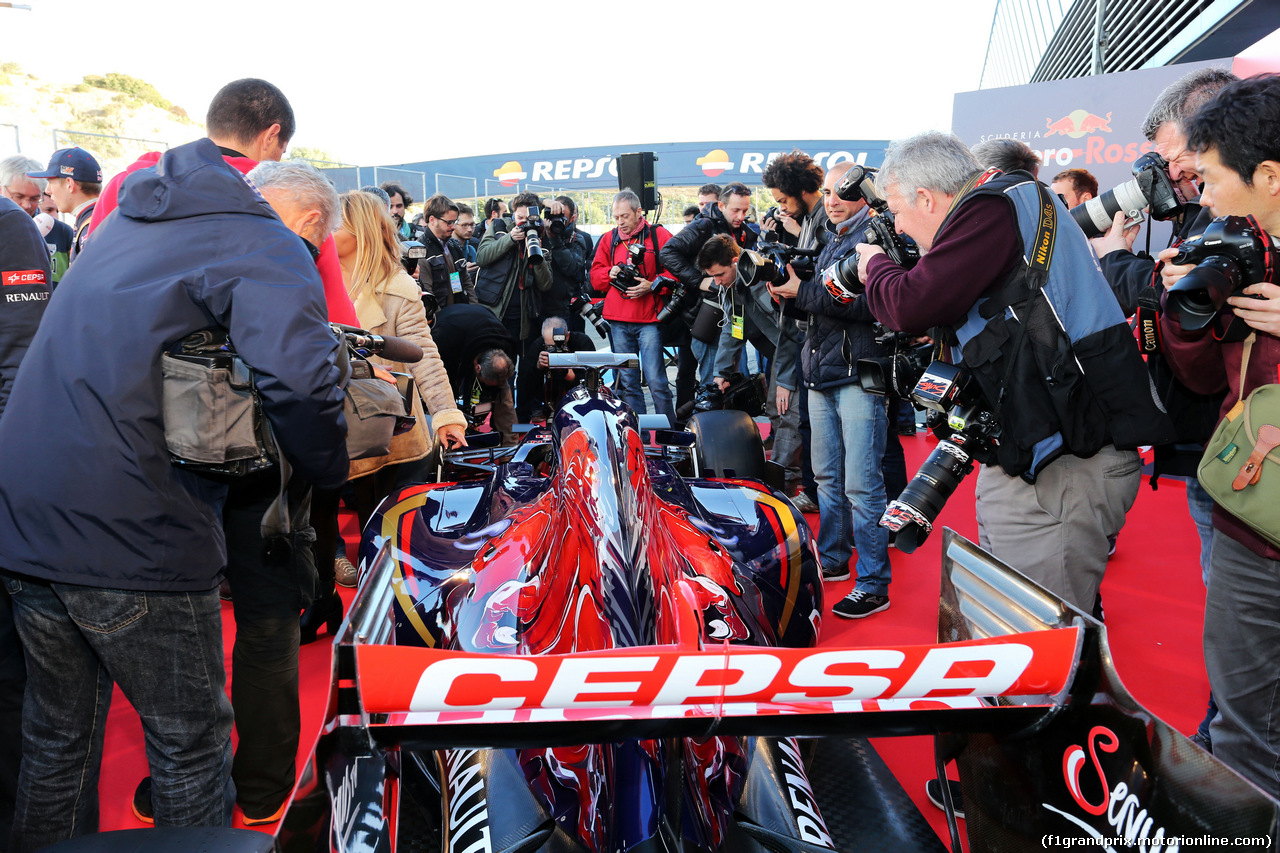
(557, 224)
(768, 262)
(1151, 188)
(1232, 253)
(629, 273)
(841, 278)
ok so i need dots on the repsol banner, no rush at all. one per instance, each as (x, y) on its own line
(678, 164)
(1092, 123)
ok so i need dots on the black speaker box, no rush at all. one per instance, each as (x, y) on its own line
(635, 172)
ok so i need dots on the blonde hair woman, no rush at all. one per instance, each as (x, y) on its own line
(388, 302)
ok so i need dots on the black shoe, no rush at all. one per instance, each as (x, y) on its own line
(859, 605)
(835, 573)
(1202, 741)
(326, 611)
(142, 802)
(934, 791)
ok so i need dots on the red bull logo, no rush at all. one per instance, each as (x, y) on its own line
(1078, 123)
(509, 173)
(715, 163)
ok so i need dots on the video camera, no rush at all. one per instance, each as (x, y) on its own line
(768, 262)
(841, 278)
(1151, 187)
(966, 429)
(1232, 253)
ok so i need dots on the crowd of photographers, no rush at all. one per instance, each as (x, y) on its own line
(1014, 312)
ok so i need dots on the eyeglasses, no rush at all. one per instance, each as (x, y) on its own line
(450, 222)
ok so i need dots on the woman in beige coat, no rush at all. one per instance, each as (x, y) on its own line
(388, 302)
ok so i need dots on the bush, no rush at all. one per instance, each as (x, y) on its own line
(132, 86)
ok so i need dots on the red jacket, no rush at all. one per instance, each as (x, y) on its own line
(611, 251)
(336, 300)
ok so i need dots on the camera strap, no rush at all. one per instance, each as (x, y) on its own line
(1148, 318)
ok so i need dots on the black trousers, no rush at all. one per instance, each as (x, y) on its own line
(270, 585)
(13, 681)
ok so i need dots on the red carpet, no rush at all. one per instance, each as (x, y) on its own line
(1152, 594)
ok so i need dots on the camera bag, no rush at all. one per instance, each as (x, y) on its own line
(1240, 468)
(213, 420)
(706, 328)
(375, 411)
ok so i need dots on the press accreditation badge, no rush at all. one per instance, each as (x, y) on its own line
(737, 327)
(455, 282)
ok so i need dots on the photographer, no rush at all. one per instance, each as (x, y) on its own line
(480, 357)
(444, 271)
(680, 258)
(1131, 279)
(1234, 138)
(546, 384)
(512, 276)
(630, 305)
(1059, 483)
(795, 182)
(849, 425)
(570, 260)
(750, 316)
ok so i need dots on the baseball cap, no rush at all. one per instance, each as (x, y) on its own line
(75, 163)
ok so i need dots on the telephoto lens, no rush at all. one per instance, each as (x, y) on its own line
(533, 246)
(911, 516)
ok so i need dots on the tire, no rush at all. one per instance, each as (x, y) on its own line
(728, 445)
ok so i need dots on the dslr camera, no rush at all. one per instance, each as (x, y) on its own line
(590, 312)
(557, 225)
(841, 278)
(629, 273)
(1151, 187)
(768, 262)
(966, 429)
(1232, 253)
(534, 228)
(894, 375)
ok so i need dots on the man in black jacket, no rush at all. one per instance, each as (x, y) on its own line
(680, 258)
(849, 426)
(25, 279)
(1131, 278)
(479, 355)
(444, 270)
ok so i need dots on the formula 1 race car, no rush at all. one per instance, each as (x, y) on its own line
(588, 643)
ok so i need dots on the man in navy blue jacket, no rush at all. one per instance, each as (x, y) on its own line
(849, 425)
(111, 553)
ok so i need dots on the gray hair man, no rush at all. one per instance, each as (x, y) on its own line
(1065, 471)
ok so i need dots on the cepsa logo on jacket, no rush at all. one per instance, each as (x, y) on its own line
(22, 278)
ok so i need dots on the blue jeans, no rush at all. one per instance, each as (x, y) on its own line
(645, 340)
(164, 650)
(706, 355)
(849, 428)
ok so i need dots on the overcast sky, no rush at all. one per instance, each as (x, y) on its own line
(377, 82)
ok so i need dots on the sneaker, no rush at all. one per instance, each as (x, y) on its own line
(344, 572)
(274, 817)
(835, 573)
(859, 604)
(804, 503)
(142, 802)
(934, 791)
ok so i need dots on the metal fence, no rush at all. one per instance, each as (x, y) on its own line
(112, 152)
